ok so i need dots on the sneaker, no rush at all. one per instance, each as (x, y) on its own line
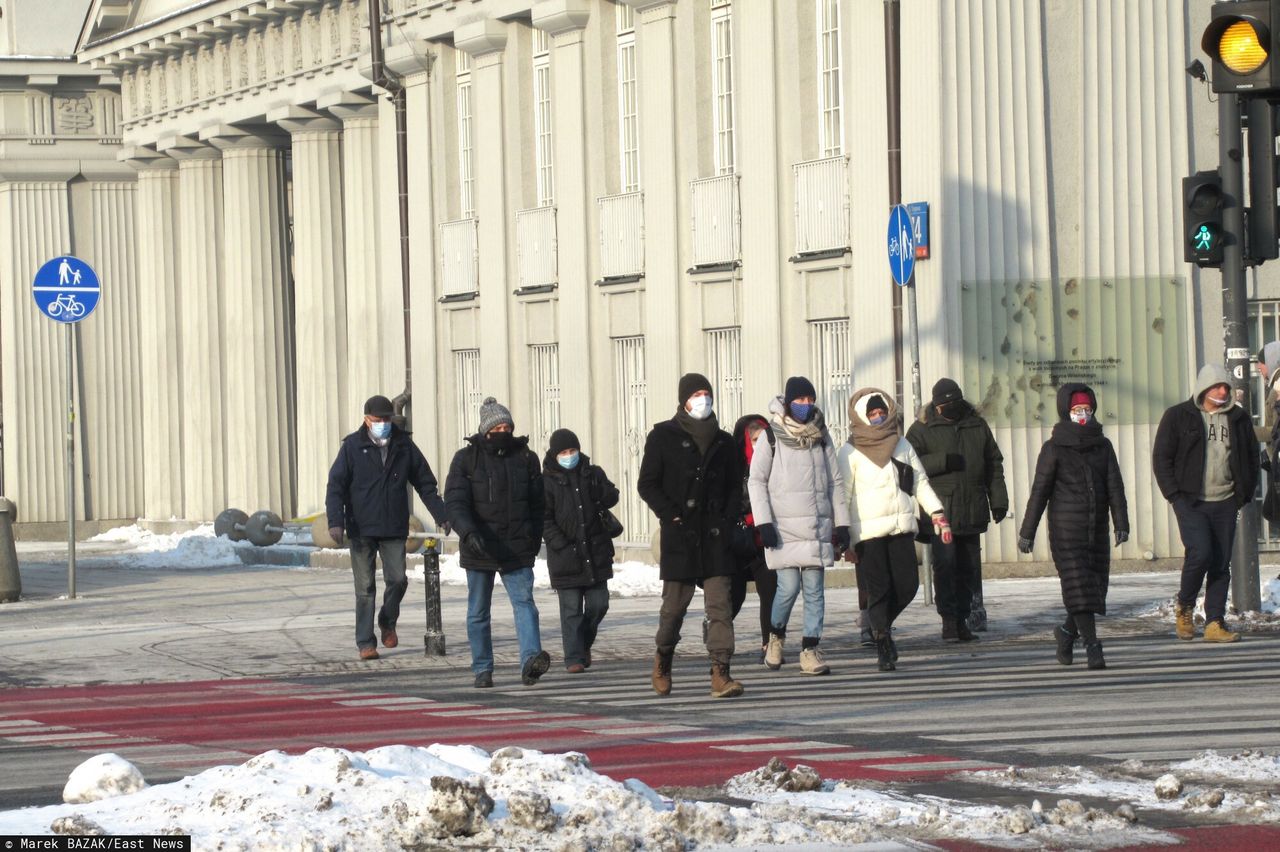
(389, 638)
(811, 662)
(535, 667)
(484, 680)
(868, 638)
(368, 653)
(1216, 631)
(575, 668)
(773, 652)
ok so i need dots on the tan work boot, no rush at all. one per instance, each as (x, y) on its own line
(1216, 631)
(1186, 624)
(811, 662)
(773, 653)
(662, 673)
(722, 683)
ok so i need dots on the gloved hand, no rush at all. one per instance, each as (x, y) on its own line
(999, 513)
(445, 528)
(1025, 544)
(769, 536)
(475, 543)
(955, 462)
(842, 539)
(337, 534)
(1121, 537)
(941, 527)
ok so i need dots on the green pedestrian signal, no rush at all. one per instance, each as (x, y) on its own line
(1202, 204)
(1205, 239)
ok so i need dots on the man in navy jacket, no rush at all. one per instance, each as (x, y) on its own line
(367, 502)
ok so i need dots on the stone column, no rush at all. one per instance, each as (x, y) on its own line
(325, 414)
(257, 322)
(486, 40)
(361, 223)
(566, 20)
(201, 314)
(159, 338)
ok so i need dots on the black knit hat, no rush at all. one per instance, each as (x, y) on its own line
(798, 386)
(561, 440)
(946, 390)
(691, 383)
(876, 401)
(379, 406)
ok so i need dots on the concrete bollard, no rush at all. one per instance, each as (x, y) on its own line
(10, 579)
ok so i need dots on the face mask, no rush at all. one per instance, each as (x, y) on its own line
(878, 419)
(700, 407)
(800, 411)
(500, 440)
(568, 462)
(1081, 417)
(951, 410)
(1218, 401)
(381, 430)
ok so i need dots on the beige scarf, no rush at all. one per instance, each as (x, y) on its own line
(875, 442)
(802, 435)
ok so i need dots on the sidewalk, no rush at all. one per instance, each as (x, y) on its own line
(130, 624)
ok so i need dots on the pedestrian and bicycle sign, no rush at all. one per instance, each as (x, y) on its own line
(66, 289)
(902, 245)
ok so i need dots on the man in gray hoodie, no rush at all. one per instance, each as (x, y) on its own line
(1205, 460)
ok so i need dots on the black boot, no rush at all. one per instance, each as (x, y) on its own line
(1094, 650)
(1066, 645)
(950, 630)
(884, 652)
(963, 633)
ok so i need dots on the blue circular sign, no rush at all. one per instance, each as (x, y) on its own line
(902, 245)
(66, 289)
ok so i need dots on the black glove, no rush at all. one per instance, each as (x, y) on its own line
(955, 462)
(445, 528)
(843, 539)
(768, 535)
(1121, 537)
(475, 543)
(999, 514)
(1025, 544)
(337, 534)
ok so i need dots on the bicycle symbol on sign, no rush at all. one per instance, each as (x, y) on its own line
(66, 302)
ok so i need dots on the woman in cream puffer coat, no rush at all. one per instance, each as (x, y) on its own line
(885, 487)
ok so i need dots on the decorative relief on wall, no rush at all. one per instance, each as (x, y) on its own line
(72, 114)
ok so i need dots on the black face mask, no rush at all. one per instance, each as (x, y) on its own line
(953, 410)
(501, 440)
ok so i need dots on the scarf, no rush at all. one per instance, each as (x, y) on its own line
(1068, 433)
(703, 432)
(793, 433)
(875, 442)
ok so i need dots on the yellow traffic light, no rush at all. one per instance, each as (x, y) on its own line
(1240, 48)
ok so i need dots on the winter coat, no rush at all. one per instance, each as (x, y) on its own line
(800, 490)
(579, 551)
(497, 494)
(878, 505)
(367, 497)
(704, 492)
(746, 541)
(1078, 478)
(1178, 453)
(975, 494)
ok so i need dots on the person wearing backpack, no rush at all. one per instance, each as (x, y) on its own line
(577, 496)
(797, 501)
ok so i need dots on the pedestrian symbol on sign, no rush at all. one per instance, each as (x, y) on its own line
(1204, 238)
(66, 289)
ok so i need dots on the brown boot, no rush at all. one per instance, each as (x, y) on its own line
(722, 683)
(1186, 625)
(662, 673)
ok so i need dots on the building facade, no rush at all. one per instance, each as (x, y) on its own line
(603, 195)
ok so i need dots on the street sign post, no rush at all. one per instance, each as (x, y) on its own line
(902, 245)
(66, 290)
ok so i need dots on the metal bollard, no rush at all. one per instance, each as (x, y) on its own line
(433, 639)
(10, 579)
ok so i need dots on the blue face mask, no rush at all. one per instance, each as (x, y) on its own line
(801, 410)
(878, 419)
(381, 430)
(568, 462)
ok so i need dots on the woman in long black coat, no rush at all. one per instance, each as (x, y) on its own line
(1078, 478)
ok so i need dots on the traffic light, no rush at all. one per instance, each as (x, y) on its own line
(1242, 40)
(1262, 240)
(1202, 203)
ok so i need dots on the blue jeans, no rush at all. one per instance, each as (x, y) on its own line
(519, 586)
(364, 572)
(581, 611)
(790, 581)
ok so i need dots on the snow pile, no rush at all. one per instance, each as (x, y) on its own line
(1271, 596)
(630, 579)
(1166, 611)
(102, 777)
(197, 548)
(1251, 765)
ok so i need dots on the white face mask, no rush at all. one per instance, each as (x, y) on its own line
(700, 407)
(1218, 401)
(1081, 417)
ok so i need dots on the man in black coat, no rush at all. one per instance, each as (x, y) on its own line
(1205, 459)
(966, 470)
(367, 502)
(494, 499)
(691, 478)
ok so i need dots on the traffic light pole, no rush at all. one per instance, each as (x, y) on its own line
(1245, 592)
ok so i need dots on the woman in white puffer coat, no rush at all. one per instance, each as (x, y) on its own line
(799, 508)
(884, 484)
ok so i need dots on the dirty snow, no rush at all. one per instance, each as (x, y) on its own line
(101, 777)
(409, 797)
(630, 579)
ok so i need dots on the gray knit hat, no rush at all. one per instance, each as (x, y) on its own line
(492, 413)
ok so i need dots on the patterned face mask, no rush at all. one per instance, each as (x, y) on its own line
(1081, 415)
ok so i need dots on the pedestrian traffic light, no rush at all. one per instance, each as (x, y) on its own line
(1262, 242)
(1202, 203)
(1241, 39)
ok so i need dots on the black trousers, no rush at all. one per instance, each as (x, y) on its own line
(766, 588)
(892, 577)
(957, 574)
(1208, 531)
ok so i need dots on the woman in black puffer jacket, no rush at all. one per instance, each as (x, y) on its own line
(1078, 478)
(579, 548)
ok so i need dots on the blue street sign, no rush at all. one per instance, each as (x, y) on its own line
(919, 211)
(902, 245)
(66, 289)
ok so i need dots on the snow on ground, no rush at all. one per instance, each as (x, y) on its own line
(1165, 611)
(409, 797)
(630, 579)
(197, 548)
